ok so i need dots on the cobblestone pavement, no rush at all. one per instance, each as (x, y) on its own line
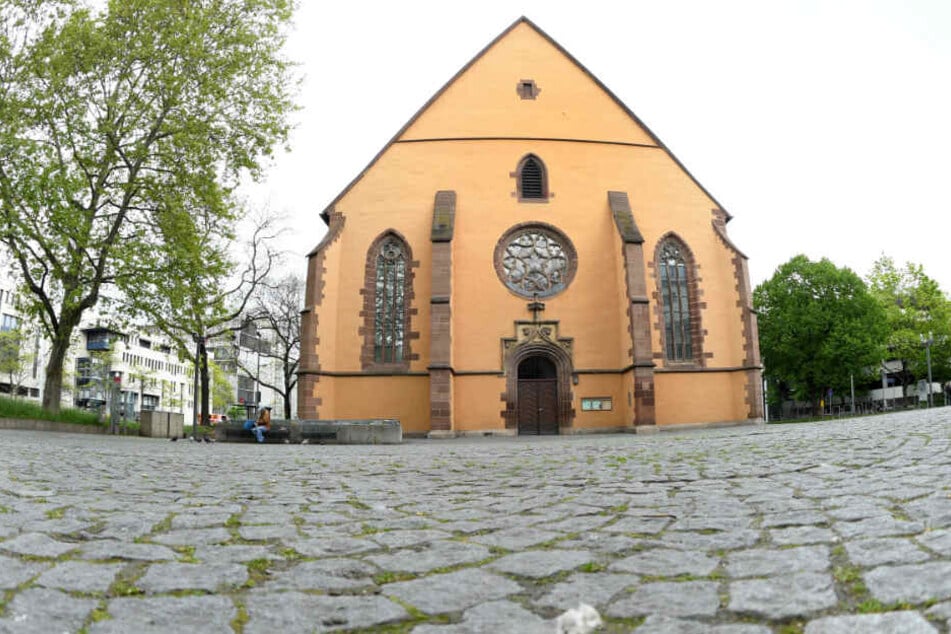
(841, 526)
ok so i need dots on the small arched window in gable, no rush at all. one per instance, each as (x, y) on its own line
(532, 179)
(675, 299)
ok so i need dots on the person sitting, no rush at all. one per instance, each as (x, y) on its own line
(261, 425)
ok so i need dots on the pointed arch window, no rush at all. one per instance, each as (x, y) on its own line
(389, 302)
(675, 299)
(532, 179)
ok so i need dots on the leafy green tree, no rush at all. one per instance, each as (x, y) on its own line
(222, 393)
(818, 326)
(914, 306)
(118, 120)
(12, 360)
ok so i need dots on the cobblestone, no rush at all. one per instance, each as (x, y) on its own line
(839, 526)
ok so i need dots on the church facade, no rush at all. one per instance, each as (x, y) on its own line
(526, 257)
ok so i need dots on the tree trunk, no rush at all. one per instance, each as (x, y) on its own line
(287, 401)
(53, 386)
(205, 392)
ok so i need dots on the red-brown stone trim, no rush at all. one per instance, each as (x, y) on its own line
(750, 330)
(638, 329)
(444, 216)
(694, 305)
(308, 402)
(440, 338)
(367, 356)
(624, 217)
(563, 365)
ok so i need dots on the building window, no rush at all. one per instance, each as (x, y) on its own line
(388, 306)
(675, 299)
(389, 302)
(527, 89)
(8, 323)
(532, 179)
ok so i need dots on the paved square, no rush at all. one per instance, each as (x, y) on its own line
(816, 526)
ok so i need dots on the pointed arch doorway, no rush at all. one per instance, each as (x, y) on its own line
(537, 396)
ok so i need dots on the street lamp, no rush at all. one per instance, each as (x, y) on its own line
(927, 345)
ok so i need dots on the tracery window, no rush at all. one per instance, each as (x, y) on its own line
(535, 260)
(675, 298)
(389, 323)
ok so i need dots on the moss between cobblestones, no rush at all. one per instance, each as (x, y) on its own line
(56, 514)
(874, 606)
(124, 585)
(618, 625)
(899, 513)
(165, 525)
(592, 566)
(289, 554)
(187, 554)
(391, 577)
(123, 588)
(241, 618)
(257, 572)
(416, 618)
(558, 577)
(101, 613)
(357, 504)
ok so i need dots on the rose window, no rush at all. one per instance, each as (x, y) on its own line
(535, 260)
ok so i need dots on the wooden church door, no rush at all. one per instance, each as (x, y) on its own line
(537, 396)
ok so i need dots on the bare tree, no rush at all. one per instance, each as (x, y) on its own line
(194, 299)
(276, 312)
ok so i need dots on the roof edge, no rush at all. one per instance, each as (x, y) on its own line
(325, 214)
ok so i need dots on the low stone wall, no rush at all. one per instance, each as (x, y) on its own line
(47, 425)
(281, 432)
(337, 432)
(374, 431)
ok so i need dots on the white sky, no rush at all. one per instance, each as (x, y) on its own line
(823, 127)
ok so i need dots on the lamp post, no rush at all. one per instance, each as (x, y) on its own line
(927, 345)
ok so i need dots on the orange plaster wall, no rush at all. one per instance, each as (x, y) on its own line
(601, 385)
(403, 397)
(484, 100)
(699, 397)
(477, 403)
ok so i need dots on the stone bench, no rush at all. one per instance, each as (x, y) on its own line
(371, 431)
(281, 431)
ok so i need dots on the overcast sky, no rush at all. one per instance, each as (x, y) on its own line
(823, 127)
